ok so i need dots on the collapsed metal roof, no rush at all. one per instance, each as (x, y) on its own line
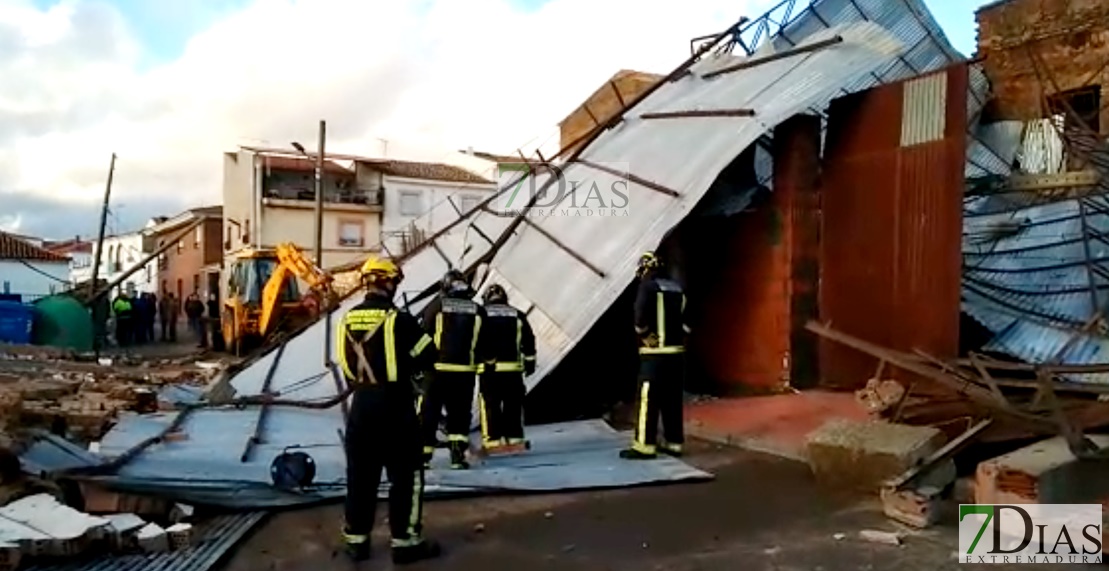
(565, 271)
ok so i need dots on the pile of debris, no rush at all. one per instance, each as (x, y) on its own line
(82, 400)
(941, 407)
(41, 527)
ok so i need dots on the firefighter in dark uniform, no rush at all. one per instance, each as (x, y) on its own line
(507, 353)
(380, 350)
(456, 328)
(661, 328)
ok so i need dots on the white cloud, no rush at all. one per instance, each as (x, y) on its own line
(439, 73)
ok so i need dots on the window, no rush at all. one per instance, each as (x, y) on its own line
(196, 283)
(470, 202)
(198, 236)
(246, 232)
(352, 233)
(180, 289)
(180, 246)
(411, 202)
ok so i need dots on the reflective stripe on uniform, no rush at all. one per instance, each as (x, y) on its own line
(483, 416)
(417, 505)
(420, 346)
(641, 425)
(354, 538)
(661, 350)
(660, 319)
(677, 448)
(341, 336)
(452, 368)
(508, 367)
(439, 330)
(473, 341)
(458, 438)
(390, 348)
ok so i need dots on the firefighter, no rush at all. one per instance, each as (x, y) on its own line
(661, 328)
(456, 328)
(507, 353)
(380, 350)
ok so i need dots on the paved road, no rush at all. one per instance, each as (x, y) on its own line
(761, 513)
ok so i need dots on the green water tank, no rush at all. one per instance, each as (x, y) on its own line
(62, 321)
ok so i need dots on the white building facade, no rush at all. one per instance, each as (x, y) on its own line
(123, 252)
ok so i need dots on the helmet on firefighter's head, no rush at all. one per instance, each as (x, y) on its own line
(454, 283)
(495, 294)
(381, 274)
(648, 262)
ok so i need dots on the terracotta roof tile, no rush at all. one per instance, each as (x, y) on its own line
(12, 248)
(429, 171)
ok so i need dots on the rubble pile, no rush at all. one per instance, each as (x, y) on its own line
(964, 402)
(81, 400)
(41, 527)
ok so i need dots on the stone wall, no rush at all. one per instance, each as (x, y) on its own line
(1070, 38)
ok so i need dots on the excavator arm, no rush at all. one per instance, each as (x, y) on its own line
(291, 262)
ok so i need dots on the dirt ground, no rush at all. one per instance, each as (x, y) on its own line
(759, 513)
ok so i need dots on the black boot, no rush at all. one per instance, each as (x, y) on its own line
(406, 554)
(633, 454)
(674, 450)
(458, 455)
(357, 547)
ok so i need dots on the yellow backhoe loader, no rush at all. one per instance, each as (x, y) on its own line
(263, 296)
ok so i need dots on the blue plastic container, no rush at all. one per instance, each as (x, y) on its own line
(16, 320)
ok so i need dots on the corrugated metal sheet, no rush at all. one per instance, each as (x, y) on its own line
(568, 297)
(1043, 150)
(206, 469)
(993, 149)
(892, 212)
(1026, 278)
(924, 110)
(926, 45)
(215, 539)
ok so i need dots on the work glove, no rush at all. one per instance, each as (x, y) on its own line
(529, 366)
(650, 340)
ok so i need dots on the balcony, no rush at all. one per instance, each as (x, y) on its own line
(341, 199)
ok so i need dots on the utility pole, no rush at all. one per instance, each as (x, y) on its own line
(319, 234)
(319, 194)
(100, 251)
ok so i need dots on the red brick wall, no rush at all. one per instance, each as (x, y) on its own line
(187, 262)
(1069, 37)
(757, 277)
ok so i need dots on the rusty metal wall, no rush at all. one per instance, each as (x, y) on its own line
(892, 221)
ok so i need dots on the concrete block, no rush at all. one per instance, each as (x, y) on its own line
(863, 455)
(153, 539)
(917, 507)
(180, 536)
(180, 513)
(1043, 473)
(122, 531)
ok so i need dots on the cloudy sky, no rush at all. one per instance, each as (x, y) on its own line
(170, 85)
